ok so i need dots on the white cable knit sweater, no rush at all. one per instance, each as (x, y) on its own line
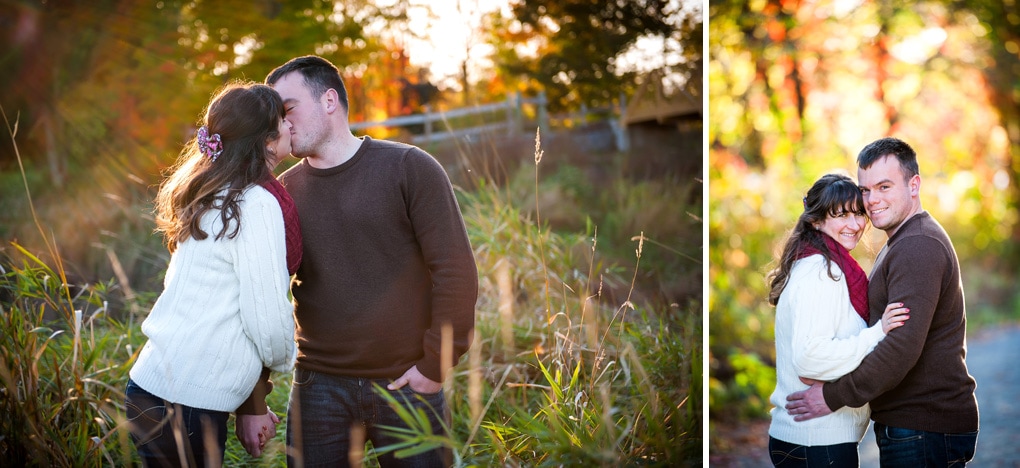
(819, 336)
(223, 314)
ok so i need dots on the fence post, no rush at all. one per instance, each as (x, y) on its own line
(543, 114)
(620, 127)
(428, 122)
(511, 121)
(519, 112)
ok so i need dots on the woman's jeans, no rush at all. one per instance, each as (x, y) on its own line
(785, 454)
(173, 435)
(330, 418)
(900, 447)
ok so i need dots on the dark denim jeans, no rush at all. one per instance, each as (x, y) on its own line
(900, 447)
(787, 455)
(324, 408)
(163, 432)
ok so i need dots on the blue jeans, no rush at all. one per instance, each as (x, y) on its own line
(324, 408)
(787, 455)
(898, 447)
(162, 431)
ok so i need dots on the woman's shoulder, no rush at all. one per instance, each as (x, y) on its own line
(256, 192)
(813, 266)
(255, 196)
(809, 261)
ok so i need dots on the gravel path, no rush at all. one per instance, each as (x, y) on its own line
(992, 359)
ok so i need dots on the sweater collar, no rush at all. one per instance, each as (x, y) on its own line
(358, 155)
(903, 227)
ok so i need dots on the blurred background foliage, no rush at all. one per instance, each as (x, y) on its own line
(796, 90)
(105, 93)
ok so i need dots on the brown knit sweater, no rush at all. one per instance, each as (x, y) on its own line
(386, 264)
(916, 378)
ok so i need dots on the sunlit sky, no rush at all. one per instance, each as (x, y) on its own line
(452, 34)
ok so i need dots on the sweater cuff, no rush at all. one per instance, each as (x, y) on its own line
(430, 368)
(256, 402)
(830, 397)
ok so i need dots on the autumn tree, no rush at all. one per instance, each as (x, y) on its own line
(1000, 24)
(105, 94)
(572, 49)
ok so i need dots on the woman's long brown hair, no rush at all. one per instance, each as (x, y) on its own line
(246, 116)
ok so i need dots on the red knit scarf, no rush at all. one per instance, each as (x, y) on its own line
(292, 226)
(856, 279)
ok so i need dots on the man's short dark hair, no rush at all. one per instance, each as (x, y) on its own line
(320, 75)
(890, 146)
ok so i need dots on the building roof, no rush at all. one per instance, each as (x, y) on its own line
(654, 102)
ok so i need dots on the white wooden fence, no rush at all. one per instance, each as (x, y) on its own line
(437, 128)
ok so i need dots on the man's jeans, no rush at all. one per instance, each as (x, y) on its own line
(898, 447)
(324, 408)
(162, 431)
(787, 455)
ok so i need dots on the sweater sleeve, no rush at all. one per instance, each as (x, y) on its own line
(819, 306)
(261, 268)
(442, 236)
(914, 276)
(256, 402)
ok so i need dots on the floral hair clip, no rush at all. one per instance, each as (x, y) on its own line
(211, 146)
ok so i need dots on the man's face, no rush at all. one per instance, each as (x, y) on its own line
(888, 196)
(304, 112)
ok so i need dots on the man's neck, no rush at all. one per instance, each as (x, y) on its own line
(918, 210)
(335, 152)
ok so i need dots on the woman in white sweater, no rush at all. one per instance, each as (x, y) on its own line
(821, 299)
(224, 313)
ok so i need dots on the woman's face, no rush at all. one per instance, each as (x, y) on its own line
(845, 227)
(280, 148)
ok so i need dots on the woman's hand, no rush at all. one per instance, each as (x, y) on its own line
(894, 316)
(253, 431)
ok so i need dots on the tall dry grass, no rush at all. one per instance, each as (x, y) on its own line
(62, 363)
(559, 373)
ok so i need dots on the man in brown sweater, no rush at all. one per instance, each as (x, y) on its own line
(916, 380)
(387, 272)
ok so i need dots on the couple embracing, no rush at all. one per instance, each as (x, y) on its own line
(891, 346)
(384, 283)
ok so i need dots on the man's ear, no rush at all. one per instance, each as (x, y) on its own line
(915, 185)
(331, 100)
